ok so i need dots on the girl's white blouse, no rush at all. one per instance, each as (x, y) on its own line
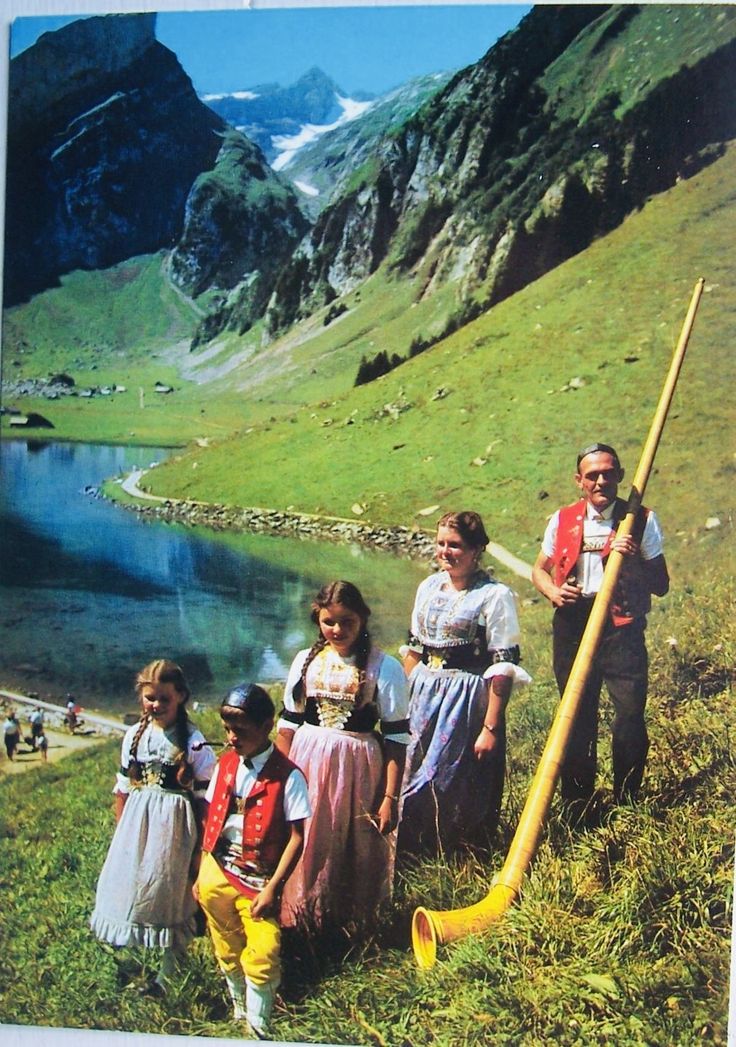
(391, 694)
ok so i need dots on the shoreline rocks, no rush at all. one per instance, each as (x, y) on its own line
(406, 541)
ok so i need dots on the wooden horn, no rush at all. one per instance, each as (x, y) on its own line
(431, 928)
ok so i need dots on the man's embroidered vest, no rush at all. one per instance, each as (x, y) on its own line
(265, 829)
(631, 597)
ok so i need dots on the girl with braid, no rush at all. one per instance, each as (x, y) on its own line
(144, 892)
(337, 693)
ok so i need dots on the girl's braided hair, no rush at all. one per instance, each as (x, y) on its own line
(349, 596)
(159, 671)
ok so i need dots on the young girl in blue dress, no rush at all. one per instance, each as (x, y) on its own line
(144, 892)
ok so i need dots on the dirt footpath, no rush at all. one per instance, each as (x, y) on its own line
(61, 743)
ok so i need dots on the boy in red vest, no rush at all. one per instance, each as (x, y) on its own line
(569, 571)
(253, 837)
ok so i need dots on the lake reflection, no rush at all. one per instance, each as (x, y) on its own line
(91, 592)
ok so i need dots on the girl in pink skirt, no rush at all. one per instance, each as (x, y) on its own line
(337, 692)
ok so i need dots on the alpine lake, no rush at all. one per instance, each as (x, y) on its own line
(90, 591)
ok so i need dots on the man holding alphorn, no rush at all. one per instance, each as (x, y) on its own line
(568, 572)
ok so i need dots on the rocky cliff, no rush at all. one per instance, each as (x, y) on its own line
(241, 226)
(105, 138)
(568, 124)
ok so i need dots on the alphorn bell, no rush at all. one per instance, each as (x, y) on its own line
(431, 928)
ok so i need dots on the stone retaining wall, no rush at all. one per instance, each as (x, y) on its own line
(401, 540)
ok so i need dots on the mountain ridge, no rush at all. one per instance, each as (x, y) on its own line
(489, 189)
(518, 162)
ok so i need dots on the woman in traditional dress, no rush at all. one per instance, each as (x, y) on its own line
(462, 662)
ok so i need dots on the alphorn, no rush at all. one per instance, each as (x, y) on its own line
(431, 928)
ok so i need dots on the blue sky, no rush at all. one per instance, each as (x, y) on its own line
(361, 48)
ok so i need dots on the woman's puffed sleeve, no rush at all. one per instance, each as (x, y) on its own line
(502, 637)
(392, 701)
(501, 619)
(413, 642)
(292, 712)
(519, 677)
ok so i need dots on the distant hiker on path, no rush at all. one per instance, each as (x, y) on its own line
(569, 572)
(461, 660)
(70, 716)
(42, 746)
(144, 892)
(11, 732)
(36, 719)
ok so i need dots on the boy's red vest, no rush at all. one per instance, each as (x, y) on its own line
(631, 597)
(265, 829)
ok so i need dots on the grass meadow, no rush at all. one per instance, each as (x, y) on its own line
(491, 416)
(621, 934)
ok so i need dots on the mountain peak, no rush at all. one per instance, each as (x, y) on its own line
(269, 112)
(318, 76)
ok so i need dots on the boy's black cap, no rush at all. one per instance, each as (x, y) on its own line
(239, 696)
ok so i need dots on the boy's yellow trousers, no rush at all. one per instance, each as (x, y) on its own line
(240, 942)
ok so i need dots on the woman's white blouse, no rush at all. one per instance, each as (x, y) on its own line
(444, 617)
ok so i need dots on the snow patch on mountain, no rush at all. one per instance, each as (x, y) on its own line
(288, 145)
(242, 96)
(306, 188)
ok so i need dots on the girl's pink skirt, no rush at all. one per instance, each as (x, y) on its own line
(346, 868)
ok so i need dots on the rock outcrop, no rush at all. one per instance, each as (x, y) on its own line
(241, 225)
(105, 138)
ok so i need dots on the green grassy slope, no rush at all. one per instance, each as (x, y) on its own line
(621, 935)
(96, 317)
(229, 384)
(125, 326)
(487, 417)
(129, 325)
(663, 40)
